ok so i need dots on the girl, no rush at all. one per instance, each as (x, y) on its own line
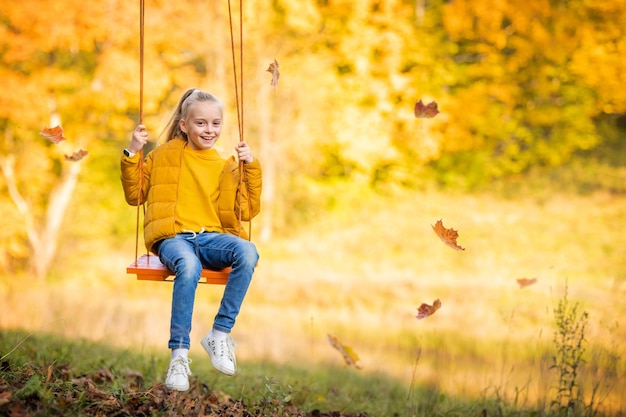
(192, 221)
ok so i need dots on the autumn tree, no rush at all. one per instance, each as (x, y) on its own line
(527, 88)
(49, 70)
(519, 85)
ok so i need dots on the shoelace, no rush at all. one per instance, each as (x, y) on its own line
(227, 345)
(180, 366)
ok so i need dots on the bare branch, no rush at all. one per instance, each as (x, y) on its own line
(8, 169)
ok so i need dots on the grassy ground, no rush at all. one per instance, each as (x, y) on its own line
(359, 274)
(43, 374)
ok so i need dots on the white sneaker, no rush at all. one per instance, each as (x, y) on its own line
(178, 374)
(220, 350)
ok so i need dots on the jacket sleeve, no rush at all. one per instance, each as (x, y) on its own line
(250, 191)
(131, 167)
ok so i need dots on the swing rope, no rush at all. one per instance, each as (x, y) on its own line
(140, 165)
(232, 49)
(239, 102)
(209, 275)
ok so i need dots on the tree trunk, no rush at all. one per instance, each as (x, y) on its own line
(42, 236)
(420, 10)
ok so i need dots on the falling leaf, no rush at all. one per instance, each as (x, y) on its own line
(447, 236)
(54, 134)
(349, 355)
(426, 310)
(525, 282)
(427, 111)
(76, 156)
(273, 69)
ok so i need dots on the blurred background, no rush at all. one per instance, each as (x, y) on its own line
(527, 160)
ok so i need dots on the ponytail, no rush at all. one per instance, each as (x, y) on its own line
(191, 96)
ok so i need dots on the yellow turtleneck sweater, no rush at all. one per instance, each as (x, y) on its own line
(198, 191)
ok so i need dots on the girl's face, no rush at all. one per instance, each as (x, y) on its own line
(203, 125)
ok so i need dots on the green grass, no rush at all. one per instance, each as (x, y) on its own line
(41, 370)
(31, 363)
(51, 376)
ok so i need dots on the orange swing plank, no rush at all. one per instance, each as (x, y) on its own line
(150, 268)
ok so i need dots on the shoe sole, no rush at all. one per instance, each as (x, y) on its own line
(180, 388)
(206, 347)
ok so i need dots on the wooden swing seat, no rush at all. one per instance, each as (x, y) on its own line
(150, 268)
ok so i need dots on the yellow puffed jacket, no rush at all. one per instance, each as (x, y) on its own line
(161, 171)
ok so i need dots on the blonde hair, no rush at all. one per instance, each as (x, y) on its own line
(191, 96)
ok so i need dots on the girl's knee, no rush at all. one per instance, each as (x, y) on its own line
(188, 267)
(249, 254)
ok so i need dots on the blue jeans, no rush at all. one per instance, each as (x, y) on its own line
(186, 254)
